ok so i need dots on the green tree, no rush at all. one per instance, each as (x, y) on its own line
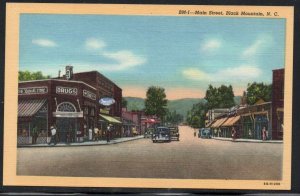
(156, 102)
(198, 110)
(221, 97)
(256, 91)
(124, 102)
(195, 122)
(173, 117)
(27, 75)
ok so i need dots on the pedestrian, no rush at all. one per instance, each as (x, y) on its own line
(34, 135)
(108, 132)
(194, 133)
(264, 133)
(250, 133)
(53, 135)
(233, 133)
(90, 134)
(96, 134)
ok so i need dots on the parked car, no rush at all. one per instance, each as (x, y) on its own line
(204, 133)
(161, 134)
(148, 133)
(174, 133)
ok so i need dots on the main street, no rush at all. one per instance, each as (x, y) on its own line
(189, 158)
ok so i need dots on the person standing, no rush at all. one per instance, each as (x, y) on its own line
(34, 135)
(109, 127)
(96, 134)
(264, 133)
(90, 134)
(53, 135)
(233, 133)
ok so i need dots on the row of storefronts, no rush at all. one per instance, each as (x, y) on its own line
(247, 122)
(261, 121)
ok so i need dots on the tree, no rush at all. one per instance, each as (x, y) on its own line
(198, 110)
(173, 117)
(156, 102)
(221, 97)
(124, 102)
(27, 75)
(257, 91)
(195, 122)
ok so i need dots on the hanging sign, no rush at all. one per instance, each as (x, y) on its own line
(107, 101)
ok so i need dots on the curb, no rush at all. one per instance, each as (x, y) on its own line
(251, 141)
(79, 144)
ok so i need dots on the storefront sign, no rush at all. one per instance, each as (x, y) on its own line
(89, 95)
(66, 90)
(107, 101)
(33, 90)
(104, 111)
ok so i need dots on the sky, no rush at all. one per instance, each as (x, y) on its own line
(179, 53)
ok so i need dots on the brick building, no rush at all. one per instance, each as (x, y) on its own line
(277, 103)
(71, 103)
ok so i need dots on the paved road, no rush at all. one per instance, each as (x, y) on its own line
(190, 158)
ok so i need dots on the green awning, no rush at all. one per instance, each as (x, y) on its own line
(110, 119)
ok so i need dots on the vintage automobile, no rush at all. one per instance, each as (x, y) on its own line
(174, 132)
(148, 133)
(204, 133)
(161, 134)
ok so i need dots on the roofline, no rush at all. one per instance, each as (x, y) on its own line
(97, 72)
(74, 81)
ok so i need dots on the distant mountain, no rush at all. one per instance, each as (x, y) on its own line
(180, 105)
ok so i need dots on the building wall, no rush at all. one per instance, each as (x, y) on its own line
(105, 88)
(277, 100)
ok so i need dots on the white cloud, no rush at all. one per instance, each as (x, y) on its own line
(211, 45)
(257, 46)
(44, 42)
(195, 74)
(124, 59)
(93, 44)
(240, 73)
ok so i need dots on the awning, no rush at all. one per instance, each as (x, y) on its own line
(231, 121)
(29, 107)
(110, 119)
(210, 124)
(218, 123)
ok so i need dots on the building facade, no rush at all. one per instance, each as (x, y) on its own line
(71, 104)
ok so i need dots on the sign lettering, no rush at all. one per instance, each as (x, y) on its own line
(66, 90)
(89, 94)
(33, 90)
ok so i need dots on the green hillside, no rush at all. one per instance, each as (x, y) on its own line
(180, 105)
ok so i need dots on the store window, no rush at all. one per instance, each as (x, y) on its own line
(66, 107)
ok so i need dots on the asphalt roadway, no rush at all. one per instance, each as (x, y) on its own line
(189, 158)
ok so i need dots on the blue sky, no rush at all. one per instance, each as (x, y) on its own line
(182, 54)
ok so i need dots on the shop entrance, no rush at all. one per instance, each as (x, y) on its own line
(66, 129)
(260, 122)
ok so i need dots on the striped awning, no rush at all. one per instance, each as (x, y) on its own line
(218, 123)
(28, 108)
(231, 121)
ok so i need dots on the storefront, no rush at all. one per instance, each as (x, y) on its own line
(68, 105)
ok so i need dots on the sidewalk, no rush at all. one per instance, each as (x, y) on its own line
(247, 140)
(88, 143)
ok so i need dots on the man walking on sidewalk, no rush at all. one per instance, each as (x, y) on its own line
(53, 135)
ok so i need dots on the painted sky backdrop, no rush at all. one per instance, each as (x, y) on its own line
(182, 54)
